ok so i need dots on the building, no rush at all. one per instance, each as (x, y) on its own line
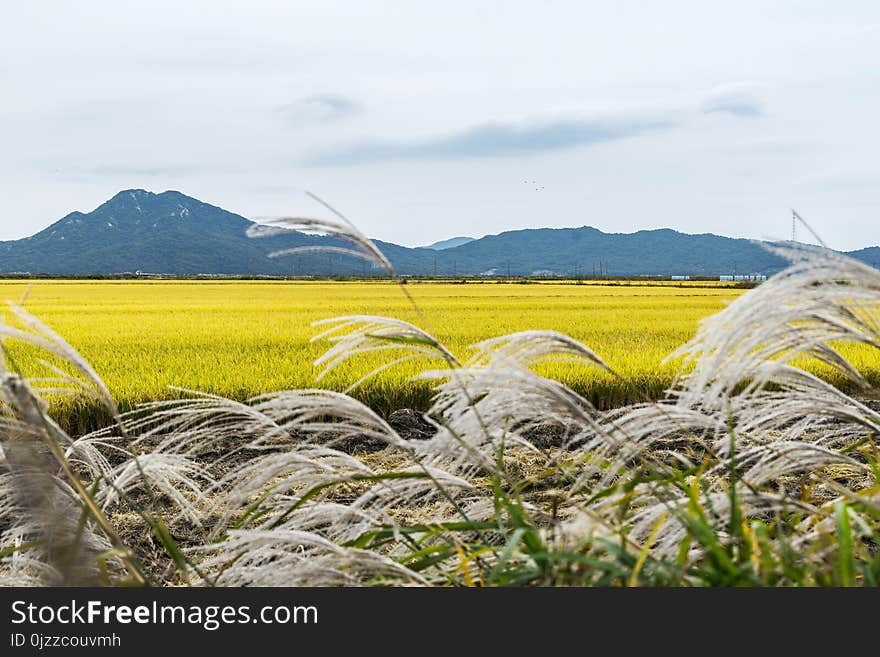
(746, 278)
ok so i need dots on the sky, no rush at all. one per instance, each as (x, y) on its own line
(427, 120)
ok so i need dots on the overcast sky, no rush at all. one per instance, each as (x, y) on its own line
(425, 120)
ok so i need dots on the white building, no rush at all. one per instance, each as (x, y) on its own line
(747, 278)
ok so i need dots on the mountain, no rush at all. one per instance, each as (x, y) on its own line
(579, 250)
(170, 233)
(451, 243)
(167, 233)
(871, 255)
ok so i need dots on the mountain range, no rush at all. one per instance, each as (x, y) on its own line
(171, 233)
(451, 243)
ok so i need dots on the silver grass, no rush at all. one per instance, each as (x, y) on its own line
(478, 409)
(33, 426)
(44, 509)
(94, 453)
(203, 424)
(768, 463)
(40, 516)
(297, 558)
(355, 335)
(182, 481)
(38, 334)
(626, 435)
(334, 521)
(282, 480)
(199, 423)
(405, 493)
(661, 515)
(279, 481)
(804, 407)
(325, 415)
(22, 569)
(360, 246)
(529, 348)
(288, 471)
(822, 298)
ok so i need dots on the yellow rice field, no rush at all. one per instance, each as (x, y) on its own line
(241, 339)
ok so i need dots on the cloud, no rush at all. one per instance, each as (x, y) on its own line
(738, 99)
(501, 138)
(320, 108)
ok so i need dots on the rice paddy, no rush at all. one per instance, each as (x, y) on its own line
(240, 339)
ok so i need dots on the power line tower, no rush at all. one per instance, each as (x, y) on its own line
(798, 219)
(794, 218)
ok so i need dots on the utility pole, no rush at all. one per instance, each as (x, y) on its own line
(435, 266)
(330, 264)
(508, 269)
(455, 267)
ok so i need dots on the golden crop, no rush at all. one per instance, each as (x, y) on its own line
(240, 339)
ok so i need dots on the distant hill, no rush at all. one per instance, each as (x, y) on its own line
(585, 250)
(451, 243)
(167, 233)
(171, 233)
(871, 255)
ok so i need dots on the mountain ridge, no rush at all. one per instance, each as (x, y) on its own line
(171, 233)
(450, 243)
